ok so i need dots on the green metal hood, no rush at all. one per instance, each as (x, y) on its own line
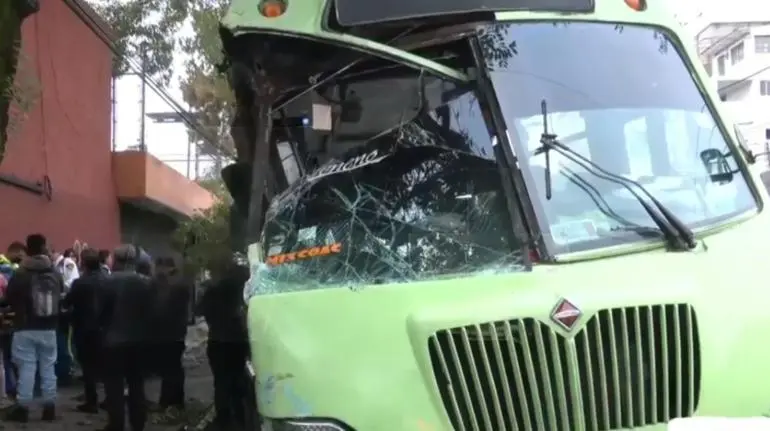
(363, 356)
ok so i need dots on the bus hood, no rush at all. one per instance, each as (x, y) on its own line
(654, 336)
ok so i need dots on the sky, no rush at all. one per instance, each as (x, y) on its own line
(168, 142)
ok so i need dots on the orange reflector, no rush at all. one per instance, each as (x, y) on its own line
(272, 8)
(637, 5)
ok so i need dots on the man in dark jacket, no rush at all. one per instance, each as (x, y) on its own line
(33, 295)
(84, 299)
(126, 320)
(170, 331)
(223, 308)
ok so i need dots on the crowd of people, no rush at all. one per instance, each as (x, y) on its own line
(124, 316)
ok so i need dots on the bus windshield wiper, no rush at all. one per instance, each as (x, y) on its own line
(678, 236)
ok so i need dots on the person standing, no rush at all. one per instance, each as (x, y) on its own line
(170, 331)
(16, 252)
(84, 300)
(67, 265)
(33, 295)
(225, 312)
(124, 317)
(105, 261)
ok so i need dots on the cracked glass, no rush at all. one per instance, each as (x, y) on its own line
(411, 191)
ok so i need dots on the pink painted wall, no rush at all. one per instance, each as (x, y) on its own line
(66, 136)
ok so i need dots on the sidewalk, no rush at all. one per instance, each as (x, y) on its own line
(198, 390)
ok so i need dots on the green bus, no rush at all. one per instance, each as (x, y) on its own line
(491, 215)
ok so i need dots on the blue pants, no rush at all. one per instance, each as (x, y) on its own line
(32, 352)
(63, 357)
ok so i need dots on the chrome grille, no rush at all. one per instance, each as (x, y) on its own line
(626, 368)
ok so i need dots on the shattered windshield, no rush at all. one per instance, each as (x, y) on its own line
(412, 193)
(622, 97)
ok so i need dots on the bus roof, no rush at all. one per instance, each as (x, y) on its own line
(356, 12)
(320, 20)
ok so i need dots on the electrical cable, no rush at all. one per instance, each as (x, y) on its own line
(154, 86)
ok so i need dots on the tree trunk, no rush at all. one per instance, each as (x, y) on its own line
(260, 166)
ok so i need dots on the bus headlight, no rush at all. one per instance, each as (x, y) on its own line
(302, 425)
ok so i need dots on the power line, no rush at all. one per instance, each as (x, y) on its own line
(175, 106)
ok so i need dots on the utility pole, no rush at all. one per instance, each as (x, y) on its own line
(189, 152)
(143, 76)
(197, 165)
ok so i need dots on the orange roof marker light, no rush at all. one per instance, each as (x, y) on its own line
(637, 5)
(272, 8)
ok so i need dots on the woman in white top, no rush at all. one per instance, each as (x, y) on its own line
(67, 265)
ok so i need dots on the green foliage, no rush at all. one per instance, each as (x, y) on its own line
(204, 88)
(204, 238)
(23, 93)
(153, 27)
(148, 26)
(10, 41)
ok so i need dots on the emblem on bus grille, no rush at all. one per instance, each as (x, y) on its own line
(566, 314)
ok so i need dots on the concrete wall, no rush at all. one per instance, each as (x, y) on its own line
(150, 230)
(65, 137)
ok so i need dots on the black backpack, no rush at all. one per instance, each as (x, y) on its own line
(45, 293)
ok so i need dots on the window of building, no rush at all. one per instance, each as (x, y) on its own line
(762, 44)
(764, 88)
(736, 53)
(721, 65)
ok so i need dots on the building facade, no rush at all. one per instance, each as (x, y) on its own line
(737, 56)
(59, 175)
(56, 177)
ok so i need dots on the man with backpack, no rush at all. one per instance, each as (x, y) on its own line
(33, 295)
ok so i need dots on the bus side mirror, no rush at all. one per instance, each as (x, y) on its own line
(717, 166)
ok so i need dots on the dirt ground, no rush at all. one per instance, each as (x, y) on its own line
(198, 391)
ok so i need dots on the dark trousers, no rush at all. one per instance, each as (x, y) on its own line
(88, 349)
(169, 367)
(228, 362)
(11, 373)
(124, 366)
(63, 365)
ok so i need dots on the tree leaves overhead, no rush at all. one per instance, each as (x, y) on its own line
(149, 26)
(160, 29)
(204, 88)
